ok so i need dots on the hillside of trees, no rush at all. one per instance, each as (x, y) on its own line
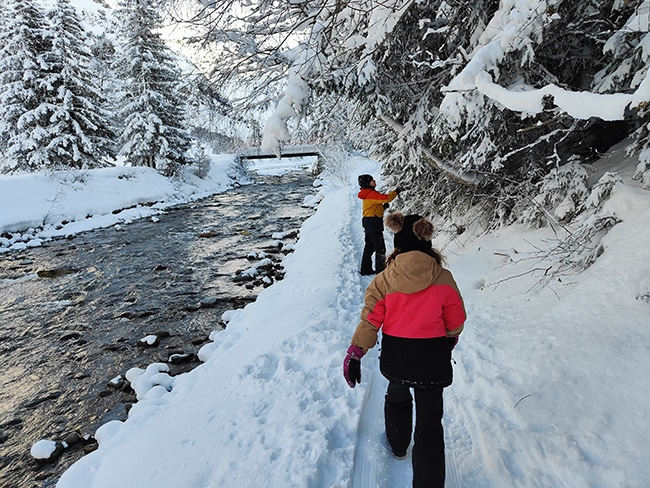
(82, 90)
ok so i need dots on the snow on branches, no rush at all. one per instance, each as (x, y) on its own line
(291, 105)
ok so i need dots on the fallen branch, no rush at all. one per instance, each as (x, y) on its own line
(522, 398)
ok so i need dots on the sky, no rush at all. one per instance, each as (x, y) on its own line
(550, 374)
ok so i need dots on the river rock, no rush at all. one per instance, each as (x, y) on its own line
(73, 438)
(91, 446)
(114, 347)
(208, 234)
(116, 383)
(208, 302)
(55, 273)
(46, 451)
(45, 398)
(243, 278)
(130, 399)
(70, 335)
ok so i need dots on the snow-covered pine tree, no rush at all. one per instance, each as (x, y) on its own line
(4, 19)
(80, 129)
(101, 62)
(152, 111)
(24, 44)
(443, 75)
(4, 39)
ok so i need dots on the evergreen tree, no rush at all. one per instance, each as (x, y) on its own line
(101, 62)
(152, 110)
(4, 20)
(80, 132)
(24, 44)
(447, 79)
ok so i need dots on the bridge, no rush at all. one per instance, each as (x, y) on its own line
(285, 152)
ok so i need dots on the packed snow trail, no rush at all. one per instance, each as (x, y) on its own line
(374, 466)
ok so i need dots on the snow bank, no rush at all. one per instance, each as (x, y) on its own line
(65, 203)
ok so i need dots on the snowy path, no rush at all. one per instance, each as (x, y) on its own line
(374, 466)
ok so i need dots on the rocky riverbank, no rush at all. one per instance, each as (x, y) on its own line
(77, 314)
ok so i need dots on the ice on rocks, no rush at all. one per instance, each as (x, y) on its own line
(43, 449)
(143, 380)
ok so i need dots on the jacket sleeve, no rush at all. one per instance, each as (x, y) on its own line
(372, 315)
(381, 198)
(453, 310)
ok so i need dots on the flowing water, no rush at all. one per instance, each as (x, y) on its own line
(73, 312)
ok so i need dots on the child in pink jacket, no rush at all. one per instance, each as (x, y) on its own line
(418, 306)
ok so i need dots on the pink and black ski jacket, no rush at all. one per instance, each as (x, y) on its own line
(417, 305)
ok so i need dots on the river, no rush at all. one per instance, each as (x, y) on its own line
(74, 313)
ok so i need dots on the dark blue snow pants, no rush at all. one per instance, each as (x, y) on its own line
(374, 245)
(429, 446)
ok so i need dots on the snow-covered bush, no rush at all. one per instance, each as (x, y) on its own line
(202, 166)
(566, 189)
(642, 172)
(602, 190)
(583, 245)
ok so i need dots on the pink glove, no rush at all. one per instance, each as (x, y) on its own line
(352, 365)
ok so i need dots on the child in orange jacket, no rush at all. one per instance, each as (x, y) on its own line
(374, 204)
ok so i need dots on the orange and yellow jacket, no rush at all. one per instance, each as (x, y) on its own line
(373, 201)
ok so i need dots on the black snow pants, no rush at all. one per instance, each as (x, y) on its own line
(374, 245)
(429, 447)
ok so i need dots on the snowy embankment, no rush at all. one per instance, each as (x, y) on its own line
(550, 382)
(40, 206)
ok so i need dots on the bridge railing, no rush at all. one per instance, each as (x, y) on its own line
(285, 152)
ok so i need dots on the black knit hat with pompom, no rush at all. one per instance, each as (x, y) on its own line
(364, 181)
(412, 232)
